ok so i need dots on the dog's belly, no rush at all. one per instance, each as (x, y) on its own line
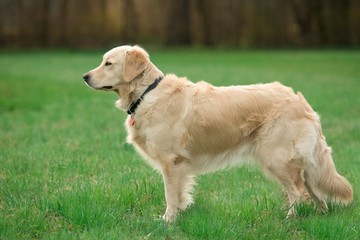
(205, 163)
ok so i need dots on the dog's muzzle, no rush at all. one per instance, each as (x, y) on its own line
(86, 78)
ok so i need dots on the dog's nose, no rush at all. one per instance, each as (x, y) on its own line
(86, 77)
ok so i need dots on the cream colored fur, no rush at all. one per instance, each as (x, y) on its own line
(184, 129)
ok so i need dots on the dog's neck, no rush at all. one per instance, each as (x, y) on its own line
(134, 105)
(130, 92)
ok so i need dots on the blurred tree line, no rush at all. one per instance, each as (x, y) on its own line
(245, 23)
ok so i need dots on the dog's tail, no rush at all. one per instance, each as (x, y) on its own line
(323, 179)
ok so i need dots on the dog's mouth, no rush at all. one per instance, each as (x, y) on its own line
(107, 87)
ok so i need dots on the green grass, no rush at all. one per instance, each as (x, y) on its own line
(66, 171)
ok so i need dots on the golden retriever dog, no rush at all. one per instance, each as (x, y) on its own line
(184, 129)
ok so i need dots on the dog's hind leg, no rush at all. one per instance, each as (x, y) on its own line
(318, 200)
(292, 179)
(290, 175)
(295, 189)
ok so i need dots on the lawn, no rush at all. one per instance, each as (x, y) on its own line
(66, 171)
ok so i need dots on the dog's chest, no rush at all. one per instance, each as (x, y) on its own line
(135, 133)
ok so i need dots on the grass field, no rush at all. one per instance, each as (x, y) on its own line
(66, 171)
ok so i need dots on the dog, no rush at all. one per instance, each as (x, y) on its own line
(184, 129)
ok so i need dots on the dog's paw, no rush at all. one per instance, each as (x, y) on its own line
(169, 215)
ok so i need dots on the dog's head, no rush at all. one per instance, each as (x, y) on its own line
(126, 70)
(119, 65)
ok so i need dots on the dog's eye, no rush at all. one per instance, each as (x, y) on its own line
(108, 63)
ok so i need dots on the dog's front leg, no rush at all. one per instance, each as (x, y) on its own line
(178, 185)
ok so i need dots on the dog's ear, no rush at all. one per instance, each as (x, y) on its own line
(136, 60)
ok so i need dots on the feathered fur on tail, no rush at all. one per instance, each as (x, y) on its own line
(323, 179)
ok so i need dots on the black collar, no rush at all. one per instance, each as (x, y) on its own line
(135, 104)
